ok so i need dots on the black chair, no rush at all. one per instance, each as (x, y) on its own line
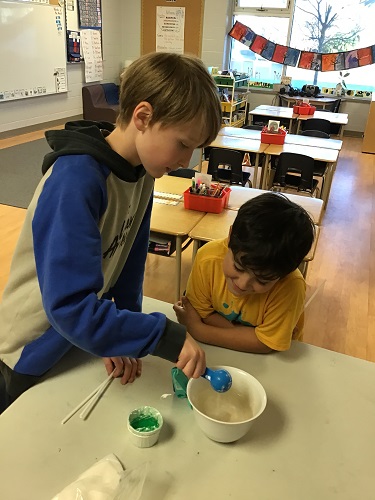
(317, 124)
(187, 173)
(334, 108)
(316, 133)
(295, 171)
(320, 167)
(225, 165)
(253, 127)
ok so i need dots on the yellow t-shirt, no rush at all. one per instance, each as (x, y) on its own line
(277, 315)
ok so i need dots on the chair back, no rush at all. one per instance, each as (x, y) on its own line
(293, 163)
(225, 165)
(317, 124)
(253, 127)
(316, 133)
(186, 173)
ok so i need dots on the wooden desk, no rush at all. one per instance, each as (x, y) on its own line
(315, 101)
(241, 144)
(337, 118)
(239, 195)
(175, 221)
(302, 140)
(326, 155)
(276, 112)
(172, 184)
(316, 142)
(245, 133)
(216, 226)
(314, 440)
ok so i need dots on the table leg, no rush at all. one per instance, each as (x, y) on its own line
(298, 126)
(256, 169)
(327, 184)
(200, 160)
(303, 268)
(178, 266)
(195, 248)
(265, 172)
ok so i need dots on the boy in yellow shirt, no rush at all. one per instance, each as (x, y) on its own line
(245, 292)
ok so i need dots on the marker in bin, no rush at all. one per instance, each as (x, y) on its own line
(197, 187)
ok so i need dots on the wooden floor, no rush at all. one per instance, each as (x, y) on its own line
(342, 315)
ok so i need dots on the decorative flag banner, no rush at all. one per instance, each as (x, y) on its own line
(365, 56)
(289, 56)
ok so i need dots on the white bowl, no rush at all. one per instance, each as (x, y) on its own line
(227, 416)
(142, 434)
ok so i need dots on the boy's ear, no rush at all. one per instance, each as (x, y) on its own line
(142, 115)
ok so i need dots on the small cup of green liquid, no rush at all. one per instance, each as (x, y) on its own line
(144, 424)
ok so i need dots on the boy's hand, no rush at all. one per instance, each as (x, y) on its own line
(126, 368)
(186, 314)
(192, 358)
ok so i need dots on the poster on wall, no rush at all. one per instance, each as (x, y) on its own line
(92, 53)
(170, 29)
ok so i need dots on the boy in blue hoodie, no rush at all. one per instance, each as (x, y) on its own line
(77, 272)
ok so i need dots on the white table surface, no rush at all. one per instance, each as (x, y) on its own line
(315, 440)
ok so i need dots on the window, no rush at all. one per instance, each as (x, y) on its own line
(262, 4)
(347, 24)
(247, 61)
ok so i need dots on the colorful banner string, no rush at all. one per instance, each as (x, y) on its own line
(281, 54)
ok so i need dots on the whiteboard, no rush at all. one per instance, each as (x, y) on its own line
(32, 50)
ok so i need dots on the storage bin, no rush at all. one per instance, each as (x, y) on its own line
(304, 109)
(206, 203)
(269, 138)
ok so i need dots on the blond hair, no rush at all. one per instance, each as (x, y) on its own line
(178, 87)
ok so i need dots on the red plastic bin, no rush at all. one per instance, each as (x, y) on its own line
(206, 203)
(269, 138)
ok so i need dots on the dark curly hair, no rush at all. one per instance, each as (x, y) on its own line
(271, 235)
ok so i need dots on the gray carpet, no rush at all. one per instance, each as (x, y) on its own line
(21, 171)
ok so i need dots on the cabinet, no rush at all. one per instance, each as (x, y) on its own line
(368, 145)
(233, 92)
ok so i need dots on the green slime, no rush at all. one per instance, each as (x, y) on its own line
(145, 423)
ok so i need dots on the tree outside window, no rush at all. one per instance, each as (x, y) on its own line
(322, 26)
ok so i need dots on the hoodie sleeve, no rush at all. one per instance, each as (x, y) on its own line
(68, 253)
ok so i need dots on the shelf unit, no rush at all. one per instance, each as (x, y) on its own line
(234, 111)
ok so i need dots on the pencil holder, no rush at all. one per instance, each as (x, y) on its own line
(206, 203)
(269, 138)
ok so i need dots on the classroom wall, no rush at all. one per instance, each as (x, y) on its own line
(39, 110)
(122, 42)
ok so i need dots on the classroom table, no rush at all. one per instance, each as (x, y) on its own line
(239, 195)
(216, 226)
(276, 112)
(173, 184)
(317, 142)
(314, 440)
(302, 140)
(314, 101)
(326, 155)
(176, 222)
(241, 144)
(336, 118)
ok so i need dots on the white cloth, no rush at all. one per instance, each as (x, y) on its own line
(106, 480)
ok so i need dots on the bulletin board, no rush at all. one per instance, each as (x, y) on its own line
(194, 10)
(32, 49)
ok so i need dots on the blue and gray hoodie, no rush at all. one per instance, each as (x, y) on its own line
(77, 271)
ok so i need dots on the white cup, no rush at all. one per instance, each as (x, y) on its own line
(144, 425)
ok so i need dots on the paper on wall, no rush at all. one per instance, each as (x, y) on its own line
(92, 53)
